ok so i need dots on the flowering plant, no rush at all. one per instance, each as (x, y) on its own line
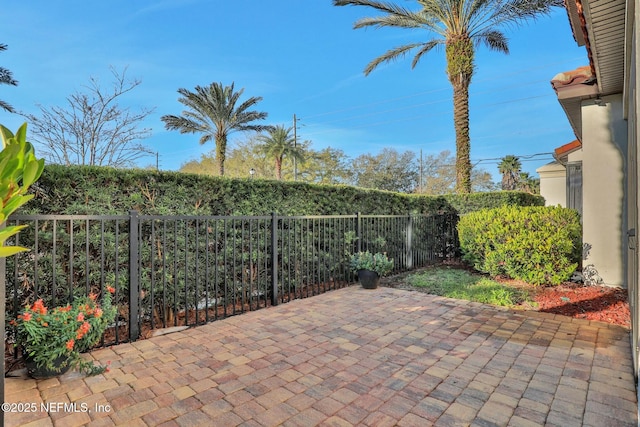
(62, 333)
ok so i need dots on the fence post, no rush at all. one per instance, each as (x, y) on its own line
(134, 276)
(2, 323)
(358, 232)
(274, 259)
(409, 244)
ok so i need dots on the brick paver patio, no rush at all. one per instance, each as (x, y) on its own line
(381, 357)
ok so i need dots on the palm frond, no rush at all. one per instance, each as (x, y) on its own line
(386, 7)
(494, 40)
(425, 49)
(6, 107)
(389, 56)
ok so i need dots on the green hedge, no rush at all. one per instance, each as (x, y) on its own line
(465, 203)
(101, 190)
(535, 244)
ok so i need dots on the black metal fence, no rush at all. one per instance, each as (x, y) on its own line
(186, 270)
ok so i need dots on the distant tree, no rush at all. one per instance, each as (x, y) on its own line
(240, 159)
(326, 166)
(439, 174)
(212, 111)
(528, 184)
(389, 170)
(510, 167)
(279, 143)
(93, 129)
(207, 165)
(481, 180)
(459, 26)
(6, 78)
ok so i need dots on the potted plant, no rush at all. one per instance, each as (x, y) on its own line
(370, 267)
(52, 339)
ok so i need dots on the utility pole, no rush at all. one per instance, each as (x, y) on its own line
(157, 161)
(295, 145)
(421, 172)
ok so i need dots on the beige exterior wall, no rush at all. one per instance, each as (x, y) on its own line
(604, 134)
(553, 184)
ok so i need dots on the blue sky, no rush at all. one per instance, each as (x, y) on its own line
(303, 58)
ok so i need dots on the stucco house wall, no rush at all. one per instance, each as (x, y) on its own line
(604, 145)
(553, 184)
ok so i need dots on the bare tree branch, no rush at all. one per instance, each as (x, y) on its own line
(93, 129)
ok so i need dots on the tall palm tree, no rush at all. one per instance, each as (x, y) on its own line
(510, 167)
(6, 78)
(279, 143)
(212, 111)
(460, 26)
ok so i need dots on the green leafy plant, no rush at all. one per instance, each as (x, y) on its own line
(63, 332)
(378, 262)
(539, 245)
(462, 284)
(19, 168)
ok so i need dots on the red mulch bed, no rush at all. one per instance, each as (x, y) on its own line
(601, 303)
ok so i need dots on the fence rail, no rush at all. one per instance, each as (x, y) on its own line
(188, 270)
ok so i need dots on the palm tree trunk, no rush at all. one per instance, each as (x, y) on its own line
(459, 52)
(279, 168)
(221, 151)
(463, 142)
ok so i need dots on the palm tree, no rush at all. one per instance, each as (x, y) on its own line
(510, 167)
(6, 78)
(460, 26)
(212, 111)
(528, 184)
(278, 144)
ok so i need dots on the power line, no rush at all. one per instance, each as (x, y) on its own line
(427, 115)
(499, 77)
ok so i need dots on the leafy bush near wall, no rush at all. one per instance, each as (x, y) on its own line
(536, 244)
(102, 190)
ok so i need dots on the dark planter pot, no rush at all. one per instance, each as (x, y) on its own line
(368, 279)
(40, 373)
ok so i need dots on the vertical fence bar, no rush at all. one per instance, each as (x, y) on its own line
(274, 259)
(3, 274)
(409, 242)
(358, 232)
(117, 274)
(53, 265)
(86, 261)
(134, 276)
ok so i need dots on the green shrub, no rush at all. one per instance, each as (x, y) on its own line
(535, 244)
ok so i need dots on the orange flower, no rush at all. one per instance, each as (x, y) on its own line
(82, 330)
(80, 317)
(26, 317)
(39, 307)
(64, 309)
(70, 344)
(98, 312)
(111, 289)
(92, 296)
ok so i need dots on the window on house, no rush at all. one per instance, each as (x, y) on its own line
(574, 186)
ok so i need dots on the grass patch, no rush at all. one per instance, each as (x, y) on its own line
(462, 284)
